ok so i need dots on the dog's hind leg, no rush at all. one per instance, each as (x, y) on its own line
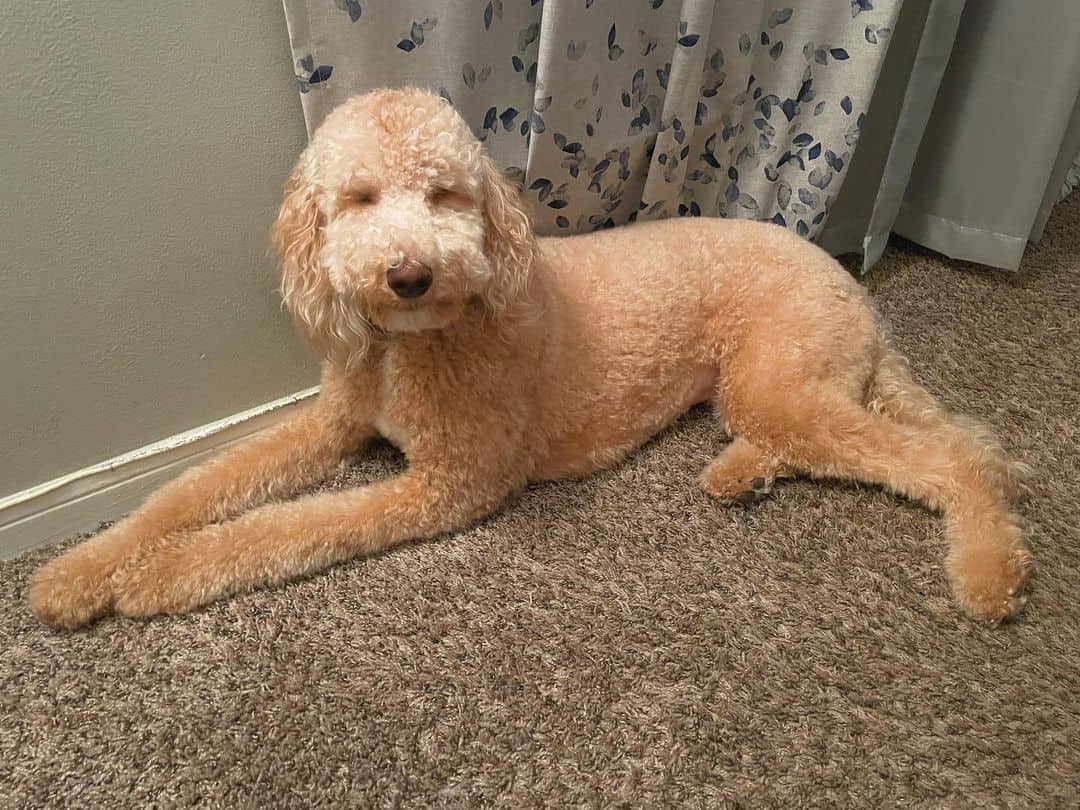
(938, 463)
(743, 473)
(893, 393)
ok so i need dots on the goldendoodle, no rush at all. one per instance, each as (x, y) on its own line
(492, 357)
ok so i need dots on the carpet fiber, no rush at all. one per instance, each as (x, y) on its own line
(621, 640)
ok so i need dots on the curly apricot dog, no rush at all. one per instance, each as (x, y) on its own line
(492, 357)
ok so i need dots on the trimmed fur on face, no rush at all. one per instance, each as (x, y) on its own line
(531, 359)
(361, 199)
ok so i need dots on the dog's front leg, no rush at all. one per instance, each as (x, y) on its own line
(285, 541)
(77, 586)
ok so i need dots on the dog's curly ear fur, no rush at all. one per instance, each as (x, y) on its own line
(509, 240)
(333, 326)
(296, 237)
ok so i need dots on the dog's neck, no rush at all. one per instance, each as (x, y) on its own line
(476, 325)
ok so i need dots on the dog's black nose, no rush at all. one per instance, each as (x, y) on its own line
(409, 278)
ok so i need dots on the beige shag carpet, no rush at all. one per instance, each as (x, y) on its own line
(622, 640)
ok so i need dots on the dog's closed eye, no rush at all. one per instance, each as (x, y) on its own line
(443, 195)
(357, 198)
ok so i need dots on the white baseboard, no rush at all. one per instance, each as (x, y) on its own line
(79, 501)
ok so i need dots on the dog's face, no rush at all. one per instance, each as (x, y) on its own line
(394, 220)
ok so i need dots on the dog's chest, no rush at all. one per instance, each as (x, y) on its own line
(425, 386)
(394, 416)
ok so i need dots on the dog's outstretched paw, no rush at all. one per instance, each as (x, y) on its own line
(69, 592)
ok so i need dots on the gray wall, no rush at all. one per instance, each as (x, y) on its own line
(144, 148)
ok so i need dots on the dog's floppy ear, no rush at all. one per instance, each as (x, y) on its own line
(296, 237)
(333, 326)
(509, 240)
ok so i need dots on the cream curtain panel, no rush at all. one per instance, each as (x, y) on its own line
(1004, 131)
(838, 119)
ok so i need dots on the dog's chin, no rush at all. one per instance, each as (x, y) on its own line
(419, 318)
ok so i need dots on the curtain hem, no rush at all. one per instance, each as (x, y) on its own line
(958, 241)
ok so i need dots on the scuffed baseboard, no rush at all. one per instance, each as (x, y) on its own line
(81, 500)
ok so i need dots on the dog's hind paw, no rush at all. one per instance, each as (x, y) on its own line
(987, 583)
(759, 491)
(739, 493)
(742, 474)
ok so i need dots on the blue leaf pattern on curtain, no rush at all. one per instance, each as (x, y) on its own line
(612, 111)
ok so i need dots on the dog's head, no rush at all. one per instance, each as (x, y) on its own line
(395, 220)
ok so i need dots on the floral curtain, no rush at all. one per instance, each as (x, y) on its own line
(611, 111)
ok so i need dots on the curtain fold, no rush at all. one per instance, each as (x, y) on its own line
(931, 59)
(997, 145)
(1064, 176)
(903, 97)
(842, 120)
